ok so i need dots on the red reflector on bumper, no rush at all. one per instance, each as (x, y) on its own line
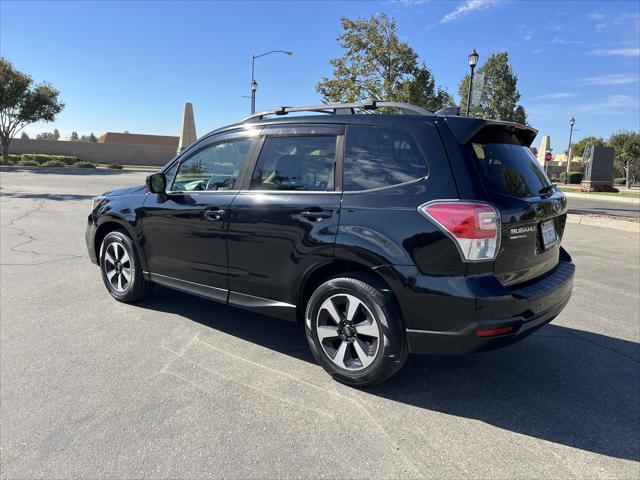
(493, 331)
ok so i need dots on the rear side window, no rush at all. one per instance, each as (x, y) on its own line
(510, 170)
(380, 157)
(299, 163)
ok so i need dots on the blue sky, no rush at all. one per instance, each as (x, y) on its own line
(132, 65)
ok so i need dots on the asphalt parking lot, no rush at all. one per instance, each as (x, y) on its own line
(180, 387)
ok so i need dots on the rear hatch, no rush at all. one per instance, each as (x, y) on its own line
(532, 210)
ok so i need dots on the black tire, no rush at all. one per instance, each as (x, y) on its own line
(134, 289)
(391, 348)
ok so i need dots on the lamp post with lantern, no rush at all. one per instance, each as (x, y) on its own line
(473, 61)
(254, 84)
(572, 122)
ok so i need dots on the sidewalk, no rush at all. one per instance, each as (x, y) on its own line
(605, 222)
(606, 198)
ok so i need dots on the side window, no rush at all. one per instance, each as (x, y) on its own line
(170, 174)
(216, 167)
(304, 163)
(377, 157)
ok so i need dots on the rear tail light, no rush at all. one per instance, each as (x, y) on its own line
(475, 227)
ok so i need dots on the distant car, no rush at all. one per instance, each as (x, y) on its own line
(385, 234)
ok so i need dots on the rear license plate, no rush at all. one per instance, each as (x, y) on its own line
(549, 237)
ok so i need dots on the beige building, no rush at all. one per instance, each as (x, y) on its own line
(139, 139)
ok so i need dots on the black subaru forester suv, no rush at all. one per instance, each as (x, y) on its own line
(385, 234)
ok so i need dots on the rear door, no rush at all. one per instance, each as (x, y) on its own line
(533, 211)
(286, 221)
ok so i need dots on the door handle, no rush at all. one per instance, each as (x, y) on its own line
(316, 213)
(213, 213)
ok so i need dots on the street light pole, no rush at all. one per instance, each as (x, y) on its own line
(473, 61)
(572, 122)
(254, 84)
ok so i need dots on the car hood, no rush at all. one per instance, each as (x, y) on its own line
(125, 191)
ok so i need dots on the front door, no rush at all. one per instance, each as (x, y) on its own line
(285, 223)
(184, 230)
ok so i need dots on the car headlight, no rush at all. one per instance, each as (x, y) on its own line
(95, 201)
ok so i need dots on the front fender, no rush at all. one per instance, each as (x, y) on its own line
(122, 212)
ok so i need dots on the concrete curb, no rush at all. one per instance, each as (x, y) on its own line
(623, 225)
(606, 198)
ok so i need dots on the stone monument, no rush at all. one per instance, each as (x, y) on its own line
(598, 169)
(545, 146)
(188, 134)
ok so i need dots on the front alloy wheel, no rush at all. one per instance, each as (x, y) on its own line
(121, 270)
(117, 266)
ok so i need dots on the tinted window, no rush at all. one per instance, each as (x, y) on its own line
(380, 157)
(215, 168)
(296, 163)
(171, 174)
(510, 169)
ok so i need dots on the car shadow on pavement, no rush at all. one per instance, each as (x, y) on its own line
(563, 385)
(71, 171)
(47, 196)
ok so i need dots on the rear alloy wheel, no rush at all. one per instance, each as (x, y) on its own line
(121, 270)
(350, 339)
(355, 330)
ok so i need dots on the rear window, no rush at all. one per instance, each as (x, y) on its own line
(510, 169)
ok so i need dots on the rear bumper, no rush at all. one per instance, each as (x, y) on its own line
(466, 341)
(444, 315)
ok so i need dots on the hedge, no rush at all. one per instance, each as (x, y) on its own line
(13, 159)
(42, 158)
(28, 163)
(574, 177)
(54, 164)
(82, 164)
(620, 181)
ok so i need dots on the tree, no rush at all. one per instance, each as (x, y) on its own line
(74, 137)
(500, 95)
(89, 138)
(376, 64)
(24, 136)
(22, 103)
(422, 90)
(627, 146)
(46, 136)
(56, 134)
(577, 148)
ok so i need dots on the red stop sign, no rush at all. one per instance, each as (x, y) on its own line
(548, 157)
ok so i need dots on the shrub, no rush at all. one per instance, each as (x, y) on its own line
(42, 158)
(14, 159)
(574, 177)
(54, 164)
(115, 166)
(82, 164)
(36, 157)
(620, 181)
(68, 160)
(28, 163)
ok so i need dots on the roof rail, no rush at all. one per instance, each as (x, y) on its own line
(451, 110)
(341, 109)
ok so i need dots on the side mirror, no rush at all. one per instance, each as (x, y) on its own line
(156, 183)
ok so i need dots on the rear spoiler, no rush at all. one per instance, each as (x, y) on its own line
(479, 130)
